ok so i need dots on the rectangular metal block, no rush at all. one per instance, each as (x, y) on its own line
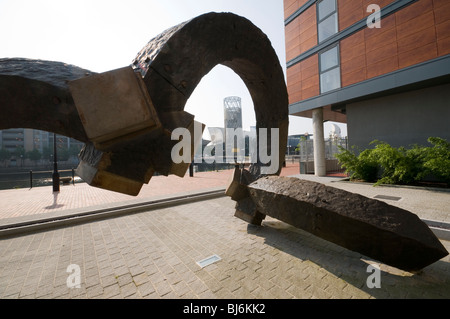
(208, 261)
(180, 169)
(99, 176)
(108, 181)
(114, 106)
(394, 198)
(183, 120)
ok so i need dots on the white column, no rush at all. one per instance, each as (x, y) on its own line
(319, 143)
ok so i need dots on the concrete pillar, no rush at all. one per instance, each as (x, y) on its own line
(319, 143)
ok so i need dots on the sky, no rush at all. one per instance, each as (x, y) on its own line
(103, 35)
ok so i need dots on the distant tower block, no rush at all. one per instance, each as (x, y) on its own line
(233, 119)
(232, 112)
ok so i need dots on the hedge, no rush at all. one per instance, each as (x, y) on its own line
(385, 164)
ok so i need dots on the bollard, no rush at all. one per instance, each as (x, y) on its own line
(31, 179)
(191, 170)
(73, 176)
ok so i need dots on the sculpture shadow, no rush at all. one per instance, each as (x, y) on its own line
(55, 202)
(352, 267)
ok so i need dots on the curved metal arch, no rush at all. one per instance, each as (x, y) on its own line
(171, 64)
(34, 94)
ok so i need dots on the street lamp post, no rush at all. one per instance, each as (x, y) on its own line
(55, 176)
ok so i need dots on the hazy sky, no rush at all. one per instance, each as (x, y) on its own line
(102, 35)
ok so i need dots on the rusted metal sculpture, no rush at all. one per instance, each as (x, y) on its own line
(126, 117)
(170, 67)
(386, 233)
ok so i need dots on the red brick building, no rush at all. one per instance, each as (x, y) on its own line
(385, 73)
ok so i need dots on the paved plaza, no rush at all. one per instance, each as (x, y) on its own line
(154, 253)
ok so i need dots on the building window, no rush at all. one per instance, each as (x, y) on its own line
(327, 19)
(330, 74)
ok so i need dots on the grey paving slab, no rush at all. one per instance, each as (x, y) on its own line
(153, 254)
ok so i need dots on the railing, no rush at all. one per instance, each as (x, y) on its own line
(332, 147)
(32, 178)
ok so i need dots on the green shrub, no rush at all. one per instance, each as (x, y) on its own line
(396, 165)
(359, 167)
(385, 164)
(437, 159)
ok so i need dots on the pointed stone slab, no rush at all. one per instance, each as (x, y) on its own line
(374, 228)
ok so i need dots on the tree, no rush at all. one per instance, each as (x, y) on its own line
(63, 154)
(19, 152)
(4, 155)
(301, 143)
(389, 165)
(34, 155)
(437, 159)
(74, 150)
(47, 153)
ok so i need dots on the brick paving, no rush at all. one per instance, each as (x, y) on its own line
(153, 254)
(40, 200)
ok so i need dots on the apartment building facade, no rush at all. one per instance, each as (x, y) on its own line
(31, 139)
(380, 66)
